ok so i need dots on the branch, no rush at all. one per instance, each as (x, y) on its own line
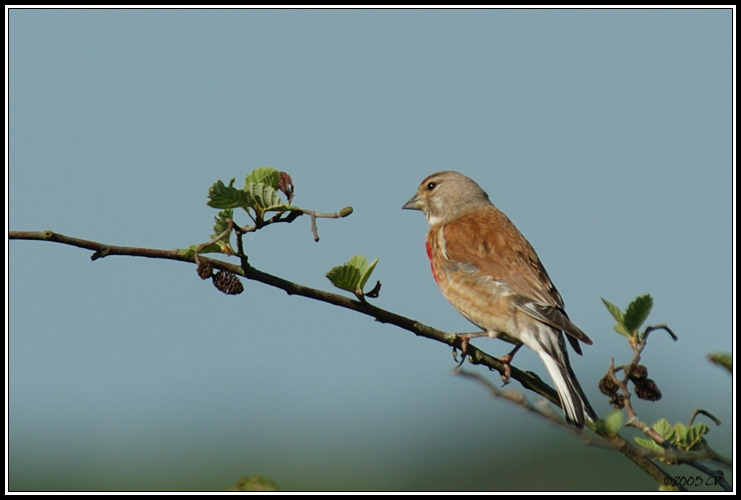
(475, 355)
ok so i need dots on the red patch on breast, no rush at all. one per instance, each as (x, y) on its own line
(428, 247)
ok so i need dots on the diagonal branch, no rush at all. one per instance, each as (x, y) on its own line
(527, 379)
(475, 355)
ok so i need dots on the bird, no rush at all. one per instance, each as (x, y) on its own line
(492, 276)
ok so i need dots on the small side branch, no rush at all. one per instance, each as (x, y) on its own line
(319, 215)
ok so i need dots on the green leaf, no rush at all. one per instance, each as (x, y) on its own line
(264, 197)
(679, 435)
(723, 359)
(345, 277)
(683, 438)
(254, 483)
(188, 252)
(618, 315)
(367, 272)
(225, 197)
(664, 429)
(353, 275)
(695, 435)
(637, 312)
(258, 196)
(220, 221)
(221, 224)
(614, 310)
(223, 245)
(621, 330)
(650, 444)
(263, 175)
(212, 248)
(686, 438)
(613, 422)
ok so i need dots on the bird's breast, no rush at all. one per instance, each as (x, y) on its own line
(480, 298)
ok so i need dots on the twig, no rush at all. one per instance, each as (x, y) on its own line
(319, 215)
(219, 237)
(519, 398)
(700, 411)
(292, 215)
(664, 327)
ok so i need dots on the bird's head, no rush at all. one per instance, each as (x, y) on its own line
(444, 196)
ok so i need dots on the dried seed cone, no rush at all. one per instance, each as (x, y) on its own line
(205, 270)
(608, 386)
(618, 401)
(639, 372)
(228, 283)
(647, 389)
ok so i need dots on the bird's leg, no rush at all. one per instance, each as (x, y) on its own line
(507, 361)
(465, 339)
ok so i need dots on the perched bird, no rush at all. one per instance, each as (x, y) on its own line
(490, 273)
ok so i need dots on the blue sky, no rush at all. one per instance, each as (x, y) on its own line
(605, 135)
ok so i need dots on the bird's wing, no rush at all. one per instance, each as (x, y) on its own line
(489, 242)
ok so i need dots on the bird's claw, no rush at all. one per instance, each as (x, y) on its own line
(455, 356)
(507, 373)
(465, 339)
(506, 360)
(464, 351)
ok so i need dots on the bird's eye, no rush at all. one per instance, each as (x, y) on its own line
(431, 186)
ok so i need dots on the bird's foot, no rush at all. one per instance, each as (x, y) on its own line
(465, 339)
(506, 360)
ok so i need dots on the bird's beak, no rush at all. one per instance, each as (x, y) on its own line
(414, 204)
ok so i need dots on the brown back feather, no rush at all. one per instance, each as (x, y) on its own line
(498, 250)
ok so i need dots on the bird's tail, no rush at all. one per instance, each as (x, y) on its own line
(575, 405)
